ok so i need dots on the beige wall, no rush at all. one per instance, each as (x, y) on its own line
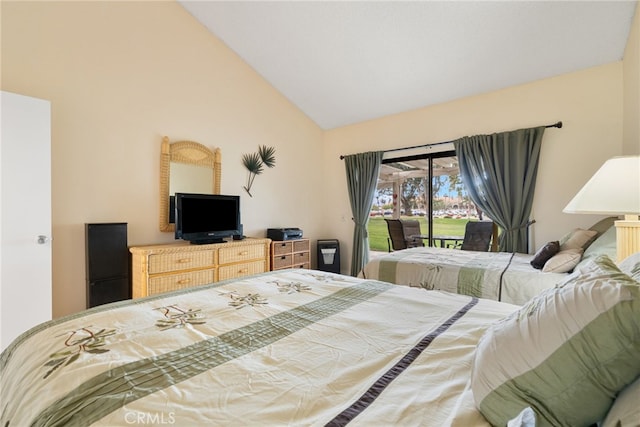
(120, 75)
(589, 103)
(631, 135)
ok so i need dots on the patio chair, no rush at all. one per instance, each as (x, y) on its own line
(400, 232)
(477, 236)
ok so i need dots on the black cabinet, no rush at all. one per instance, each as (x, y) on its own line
(107, 263)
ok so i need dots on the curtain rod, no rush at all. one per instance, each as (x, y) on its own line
(555, 125)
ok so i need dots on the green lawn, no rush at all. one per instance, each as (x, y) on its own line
(378, 229)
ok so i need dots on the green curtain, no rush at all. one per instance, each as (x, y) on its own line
(362, 177)
(499, 171)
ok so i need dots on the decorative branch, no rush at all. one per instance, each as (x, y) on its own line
(80, 341)
(175, 317)
(254, 162)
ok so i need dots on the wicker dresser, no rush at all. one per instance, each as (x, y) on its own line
(161, 268)
(290, 254)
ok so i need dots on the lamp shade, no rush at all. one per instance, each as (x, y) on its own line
(613, 190)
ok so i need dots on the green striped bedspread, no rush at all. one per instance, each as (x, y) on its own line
(296, 347)
(495, 275)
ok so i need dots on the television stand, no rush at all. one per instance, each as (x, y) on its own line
(173, 266)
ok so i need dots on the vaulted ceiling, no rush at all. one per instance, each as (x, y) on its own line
(343, 62)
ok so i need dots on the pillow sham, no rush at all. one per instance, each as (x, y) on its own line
(631, 266)
(563, 262)
(544, 254)
(626, 408)
(577, 239)
(565, 354)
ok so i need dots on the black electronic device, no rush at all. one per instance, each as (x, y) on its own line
(328, 255)
(107, 263)
(284, 233)
(239, 236)
(207, 218)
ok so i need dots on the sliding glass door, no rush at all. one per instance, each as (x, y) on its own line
(425, 187)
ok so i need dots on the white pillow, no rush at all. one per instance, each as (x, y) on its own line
(564, 261)
(626, 408)
(631, 266)
(526, 418)
(565, 353)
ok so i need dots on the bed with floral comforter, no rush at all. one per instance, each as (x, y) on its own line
(295, 347)
(309, 348)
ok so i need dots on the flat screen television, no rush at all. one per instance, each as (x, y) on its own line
(207, 218)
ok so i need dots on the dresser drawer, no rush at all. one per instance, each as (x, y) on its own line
(243, 269)
(302, 265)
(300, 258)
(162, 263)
(281, 248)
(241, 253)
(175, 282)
(300, 245)
(281, 261)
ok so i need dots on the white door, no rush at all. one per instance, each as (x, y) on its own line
(25, 214)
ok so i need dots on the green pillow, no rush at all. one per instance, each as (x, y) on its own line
(605, 244)
(566, 353)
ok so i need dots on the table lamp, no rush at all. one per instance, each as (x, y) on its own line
(614, 190)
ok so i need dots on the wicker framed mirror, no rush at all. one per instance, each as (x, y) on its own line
(186, 167)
